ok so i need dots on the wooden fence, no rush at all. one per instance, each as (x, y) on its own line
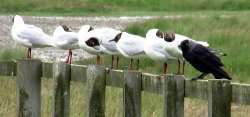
(219, 93)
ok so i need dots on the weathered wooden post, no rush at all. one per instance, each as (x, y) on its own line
(173, 96)
(132, 94)
(29, 87)
(96, 87)
(47, 70)
(78, 73)
(61, 94)
(219, 98)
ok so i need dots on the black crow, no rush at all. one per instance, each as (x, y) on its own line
(203, 60)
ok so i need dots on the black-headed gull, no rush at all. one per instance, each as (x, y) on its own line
(130, 46)
(153, 47)
(64, 39)
(29, 35)
(104, 35)
(171, 46)
(202, 59)
(88, 43)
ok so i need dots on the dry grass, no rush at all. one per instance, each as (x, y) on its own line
(151, 103)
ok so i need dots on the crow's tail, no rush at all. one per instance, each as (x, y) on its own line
(220, 73)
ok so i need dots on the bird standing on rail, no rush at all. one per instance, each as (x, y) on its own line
(172, 41)
(104, 35)
(29, 35)
(130, 46)
(88, 43)
(202, 59)
(65, 39)
(154, 49)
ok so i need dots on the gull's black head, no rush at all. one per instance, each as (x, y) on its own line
(117, 37)
(92, 42)
(90, 28)
(169, 36)
(159, 34)
(65, 28)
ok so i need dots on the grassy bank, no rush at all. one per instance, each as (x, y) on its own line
(86, 7)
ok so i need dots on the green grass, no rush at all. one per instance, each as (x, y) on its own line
(86, 7)
(11, 54)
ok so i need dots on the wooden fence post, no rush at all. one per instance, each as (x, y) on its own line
(219, 98)
(61, 94)
(95, 92)
(29, 87)
(173, 96)
(132, 94)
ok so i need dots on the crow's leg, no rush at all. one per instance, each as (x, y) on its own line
(200, 77)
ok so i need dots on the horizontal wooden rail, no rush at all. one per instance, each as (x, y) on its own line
(150, 82)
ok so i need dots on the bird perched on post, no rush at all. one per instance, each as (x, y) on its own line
(29, 35)
(103, 36)
(88, 43)
(202, 59)
(172, 41)
(154, 49)
(65, 39)
(130, 46)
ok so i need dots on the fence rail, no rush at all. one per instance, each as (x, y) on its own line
(219, 93)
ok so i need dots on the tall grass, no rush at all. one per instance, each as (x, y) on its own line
(11, 54)
(109, 6)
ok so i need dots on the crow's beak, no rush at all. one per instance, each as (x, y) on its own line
(111, 40)
(179, 46)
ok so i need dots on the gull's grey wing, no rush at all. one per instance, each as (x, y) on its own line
(34, 35)
(67, 38)
(132, 49)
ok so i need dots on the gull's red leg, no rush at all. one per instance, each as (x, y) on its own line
(70, 56)
(29, 52)
(98, 60)
(165, 68)
(67, 61)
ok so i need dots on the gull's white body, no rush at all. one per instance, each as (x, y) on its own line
(29, 35)
(131, 46)
(65, 40)
(153, 47)
(172, 47)
(83, 36)
(104, 35)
